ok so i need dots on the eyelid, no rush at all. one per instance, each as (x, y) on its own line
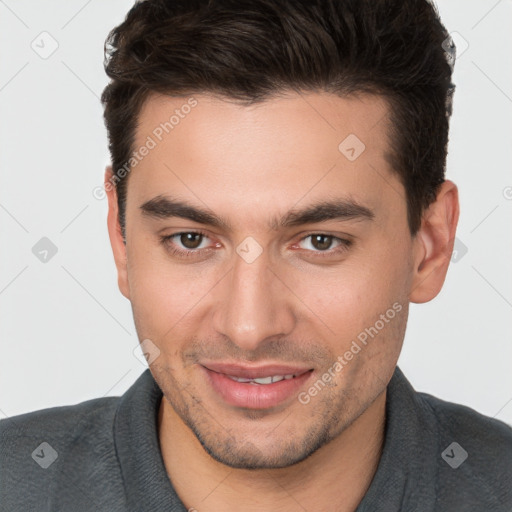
(166, 241)
(344, 245)
(342, 241)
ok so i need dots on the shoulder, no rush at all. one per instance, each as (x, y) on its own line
(58, 452)
(474, 457)
(471, 426)
(61, 424)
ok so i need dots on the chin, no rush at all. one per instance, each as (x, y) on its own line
(242, 454)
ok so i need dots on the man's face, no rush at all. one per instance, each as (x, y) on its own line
(262, 293)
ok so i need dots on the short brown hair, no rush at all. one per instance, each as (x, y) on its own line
(251, 50)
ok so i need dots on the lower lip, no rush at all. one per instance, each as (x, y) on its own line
(255, 396)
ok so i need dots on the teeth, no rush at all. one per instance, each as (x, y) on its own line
(267, 380)
(263, 380)
(239, 379)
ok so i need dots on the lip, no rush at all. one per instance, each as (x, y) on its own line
(254, 396)
(254, 372)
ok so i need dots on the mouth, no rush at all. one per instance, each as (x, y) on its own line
(260, 387)
(263, 380)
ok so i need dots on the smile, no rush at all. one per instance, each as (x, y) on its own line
(261, 387)
(263, 380)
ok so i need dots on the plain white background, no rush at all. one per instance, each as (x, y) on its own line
(67, 333)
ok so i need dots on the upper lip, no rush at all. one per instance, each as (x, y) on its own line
(255, 372)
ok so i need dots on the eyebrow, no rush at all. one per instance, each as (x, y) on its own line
(165, 207)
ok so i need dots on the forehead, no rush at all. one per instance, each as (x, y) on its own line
(292, 120)
(264, 156)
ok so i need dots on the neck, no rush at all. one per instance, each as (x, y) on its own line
(335, 477)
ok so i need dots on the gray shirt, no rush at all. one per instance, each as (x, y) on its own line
(103, 455)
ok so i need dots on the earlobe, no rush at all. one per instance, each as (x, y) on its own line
(115, 235)
(433, 244)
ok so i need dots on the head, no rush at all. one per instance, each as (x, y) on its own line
(279, 199)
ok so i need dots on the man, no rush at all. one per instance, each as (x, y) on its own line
(276, 200)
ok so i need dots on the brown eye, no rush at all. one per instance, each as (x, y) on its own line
(322, 245)
(191, 240)
(321, 242)
(187, 244)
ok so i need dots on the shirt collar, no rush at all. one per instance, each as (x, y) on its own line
(403, 470)
(407, 468)
(147, 486)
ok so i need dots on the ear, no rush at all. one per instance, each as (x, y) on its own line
(433, 244)
(114, 233)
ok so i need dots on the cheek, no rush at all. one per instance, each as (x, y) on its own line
(351, 297)
(162, 294)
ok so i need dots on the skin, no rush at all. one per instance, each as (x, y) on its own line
(298, 302)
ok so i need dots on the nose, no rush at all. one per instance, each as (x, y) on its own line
(255, 304)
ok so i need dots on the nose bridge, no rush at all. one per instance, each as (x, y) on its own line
(254, 303)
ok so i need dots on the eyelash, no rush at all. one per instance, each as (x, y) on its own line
(344, 245)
